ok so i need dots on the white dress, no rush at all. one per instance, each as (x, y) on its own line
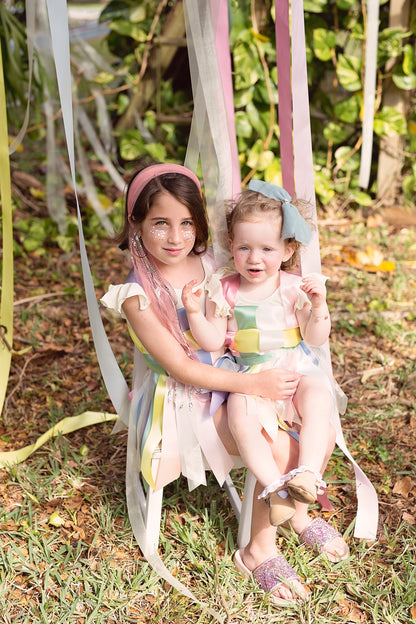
(168, 416)
(265, 334)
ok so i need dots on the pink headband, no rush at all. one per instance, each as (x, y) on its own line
(147, 174)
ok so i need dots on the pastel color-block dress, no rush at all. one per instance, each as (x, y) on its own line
(266, 334)
(171, 419)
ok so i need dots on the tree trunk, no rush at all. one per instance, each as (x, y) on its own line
(161, 57)
(391, 155)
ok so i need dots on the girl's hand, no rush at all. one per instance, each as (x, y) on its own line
(276, 384)
(315, 290)
(191, 300)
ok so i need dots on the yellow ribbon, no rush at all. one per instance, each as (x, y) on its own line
(6, 307)
(155, 434)
(292, 337)
(247, 341)
(64, 426)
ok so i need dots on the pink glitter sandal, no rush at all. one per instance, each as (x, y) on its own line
(270, 575)
(319, 534)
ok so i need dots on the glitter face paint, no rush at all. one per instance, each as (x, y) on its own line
(161, 231)
(168, 231)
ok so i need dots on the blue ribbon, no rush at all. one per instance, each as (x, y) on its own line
(294, 225)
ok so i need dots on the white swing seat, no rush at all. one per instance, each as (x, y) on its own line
(151, 504)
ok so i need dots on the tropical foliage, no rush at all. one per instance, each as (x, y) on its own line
(157, 124)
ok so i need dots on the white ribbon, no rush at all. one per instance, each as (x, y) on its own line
(367, 507)
(212, 136)
(112, 375)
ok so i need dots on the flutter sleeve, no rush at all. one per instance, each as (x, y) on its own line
(117, 294)
(302, 299)
(214, 291)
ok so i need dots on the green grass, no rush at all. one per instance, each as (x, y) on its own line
(89, 569)
(67, 553)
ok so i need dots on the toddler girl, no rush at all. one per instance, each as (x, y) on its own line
(269, 318)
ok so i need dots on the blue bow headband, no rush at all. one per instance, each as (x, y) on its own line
(294, 225)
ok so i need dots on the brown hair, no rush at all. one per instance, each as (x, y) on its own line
(183, 189)
(250, 203)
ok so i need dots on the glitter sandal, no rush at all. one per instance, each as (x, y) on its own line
(317, 535)
(270, 575)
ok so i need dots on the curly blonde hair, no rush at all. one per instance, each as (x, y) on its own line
(249, 203)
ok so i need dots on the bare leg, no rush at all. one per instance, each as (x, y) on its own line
(262, 544)
(337, 547)
(253, 447)
(313, 402)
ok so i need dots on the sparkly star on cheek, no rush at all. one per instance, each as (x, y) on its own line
(158, 233)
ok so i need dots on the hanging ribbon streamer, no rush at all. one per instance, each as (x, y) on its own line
(301, 177)
(212, 136)
(112, 375)
(221, 27)
(284, 89)
(302, 138)
(6, 306)
(64, 426)
(370, 77)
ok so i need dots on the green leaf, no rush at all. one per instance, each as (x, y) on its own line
(258, 158)
(335, 132)
(408, 59)
(127, 28)
(115, 10)
(138, 14)
(56, 520)
(346, 159)
(348, 72)
(346, 5)
(131, 145)
(65, 243)
(361, 198)
(315, 6)
(246, 66)
(156, 151)
(255, 119)
(348, 110)
(123, 101)
(390, 44)
(273, 172)
(104, 78)
(406, 83)
(242, 98)
(323, 185)
(323, 43)
(242, 125)
(389, 122)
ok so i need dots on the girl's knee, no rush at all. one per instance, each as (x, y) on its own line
(312, 393)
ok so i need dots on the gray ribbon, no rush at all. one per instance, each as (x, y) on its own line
(294, 225)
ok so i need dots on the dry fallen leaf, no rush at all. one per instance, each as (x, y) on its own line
(409, 518)
(371, 259)
(403, 486)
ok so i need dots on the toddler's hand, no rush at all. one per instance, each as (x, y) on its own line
(314, 287)
(191, 300)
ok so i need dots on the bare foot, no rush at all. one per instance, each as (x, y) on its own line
(323, 537)
(273, 566)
